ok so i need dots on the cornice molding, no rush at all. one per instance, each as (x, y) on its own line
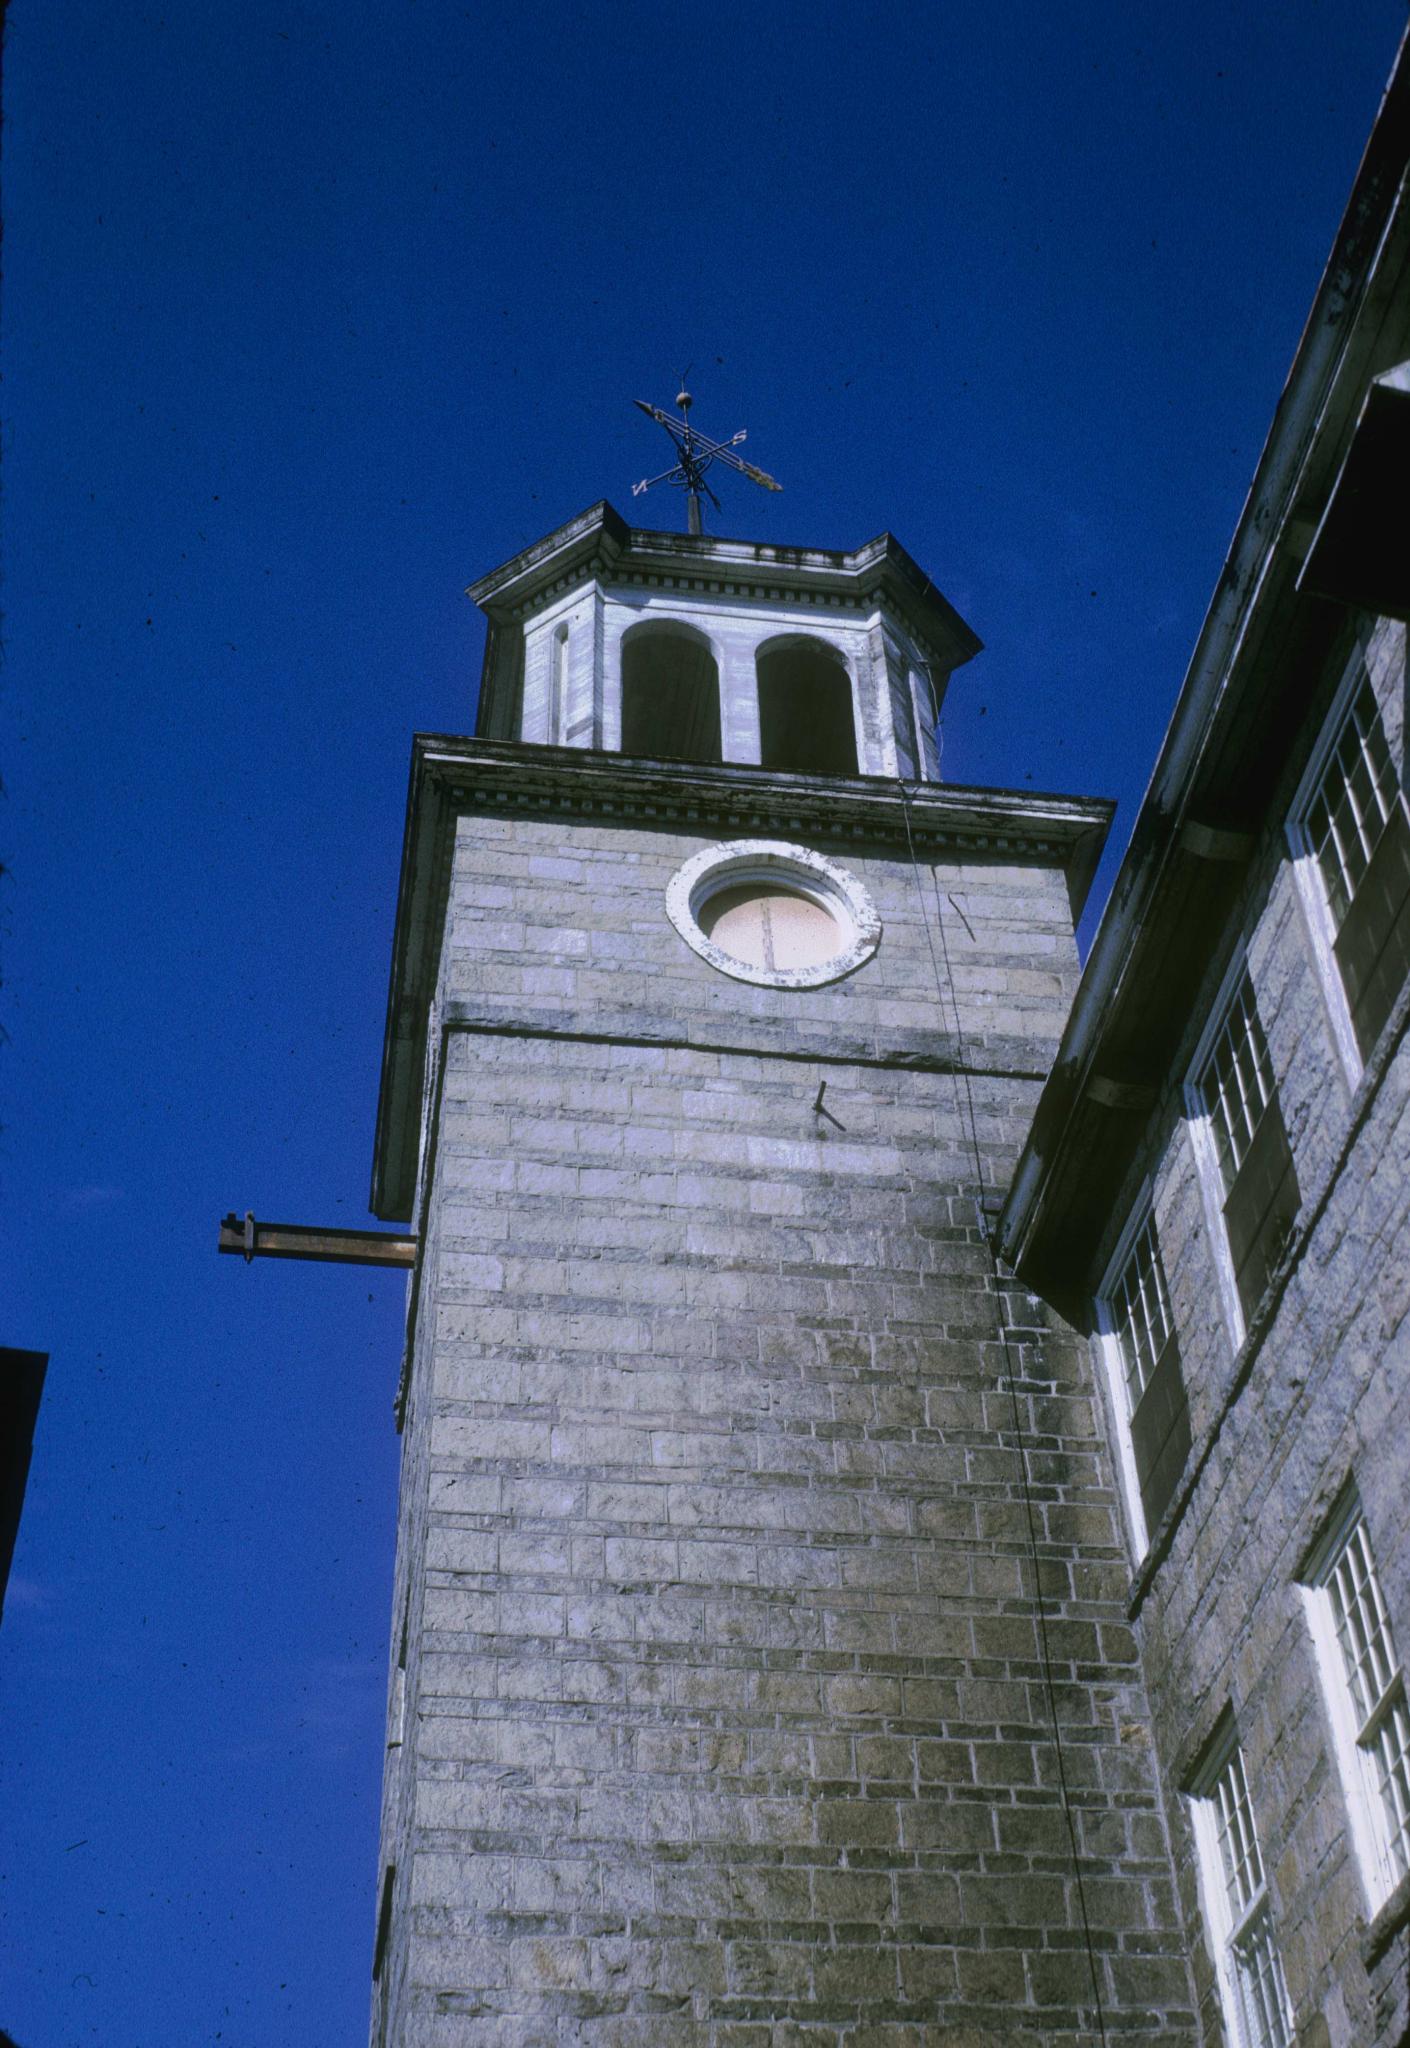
(574, 781)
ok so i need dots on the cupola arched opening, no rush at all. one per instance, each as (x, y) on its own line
(670, 693)
(805, 708)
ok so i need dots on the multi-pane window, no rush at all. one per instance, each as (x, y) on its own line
(1237, 1082)
(1236, 1092)
(1367, 1696)
(1357, 830)
(1236, 1901)
(1138, 1309)
(1352, 802)
(1142, 1307)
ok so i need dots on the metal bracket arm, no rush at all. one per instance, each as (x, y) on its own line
(253, 1240)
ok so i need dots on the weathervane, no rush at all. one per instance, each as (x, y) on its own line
(696, 452)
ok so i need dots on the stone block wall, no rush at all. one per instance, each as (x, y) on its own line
(726, 1711)
(561, 925)
(1318, 1391)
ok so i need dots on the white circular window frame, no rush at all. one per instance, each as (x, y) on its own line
(813, 875)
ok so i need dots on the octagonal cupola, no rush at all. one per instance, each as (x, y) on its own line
(669, 646)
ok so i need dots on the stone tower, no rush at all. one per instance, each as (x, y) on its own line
(760, 1669)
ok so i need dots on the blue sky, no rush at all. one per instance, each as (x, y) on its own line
(312, 314)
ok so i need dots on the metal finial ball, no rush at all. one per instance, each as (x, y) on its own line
(684, 400)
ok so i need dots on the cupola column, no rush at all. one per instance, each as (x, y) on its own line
(536, 720)
(927, 692)
(739, 699)
(891, 693)
(594, 683)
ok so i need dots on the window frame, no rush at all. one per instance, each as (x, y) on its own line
(1373, 1833)
(1228, 1923)
(800, 868)
(1318, 917)
(1140, 1218)
(1199, 1121)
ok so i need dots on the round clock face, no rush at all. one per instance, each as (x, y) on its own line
(780, 916)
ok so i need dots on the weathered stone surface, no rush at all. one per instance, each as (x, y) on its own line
(726, 1716)
(1318, 1392)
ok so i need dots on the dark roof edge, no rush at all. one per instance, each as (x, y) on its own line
(1299, 425)
(411, 986)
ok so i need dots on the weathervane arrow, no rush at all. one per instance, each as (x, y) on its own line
(694, 454)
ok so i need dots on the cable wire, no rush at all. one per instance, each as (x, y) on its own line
(967, 1116)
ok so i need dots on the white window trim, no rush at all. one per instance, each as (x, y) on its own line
(1307, 875)
(1356, 1766)
(1223, 1930)
(812, 874)
(1211, 1180)
(1114, 1371)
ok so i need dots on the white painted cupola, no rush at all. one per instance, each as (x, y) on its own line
(670, 646)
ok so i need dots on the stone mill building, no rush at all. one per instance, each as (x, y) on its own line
(903, 1531)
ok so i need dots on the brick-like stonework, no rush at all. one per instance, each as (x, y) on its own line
(725, 1716)
(1317, 1392)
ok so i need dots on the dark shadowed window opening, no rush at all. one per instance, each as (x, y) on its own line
(1239, 1095)
(384, 1921)
(670, 696)
(805, 710)
(1155, 1385)
(1360, 834)
(1261, 1211)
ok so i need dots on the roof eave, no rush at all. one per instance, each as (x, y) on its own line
(1314, 415)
